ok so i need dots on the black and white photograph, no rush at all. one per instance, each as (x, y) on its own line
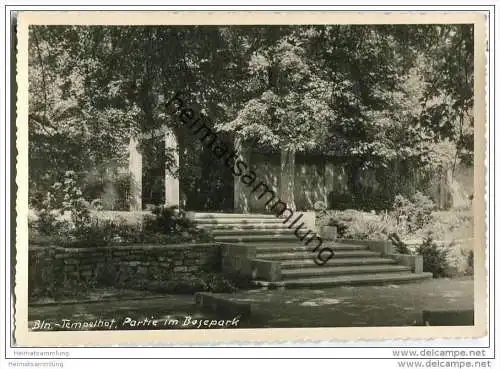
(251, 176)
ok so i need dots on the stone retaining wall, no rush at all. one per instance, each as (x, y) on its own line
(131, 266)
(240, 259)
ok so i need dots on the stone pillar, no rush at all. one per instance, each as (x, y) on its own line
(449, 188)
(329, 180)
(440, 189)
(287, 177)
(135, 171)
(241, 194)
(171, 177)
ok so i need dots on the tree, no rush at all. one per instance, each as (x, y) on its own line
(374, 94)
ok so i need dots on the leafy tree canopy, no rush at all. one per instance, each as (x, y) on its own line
(374, 94)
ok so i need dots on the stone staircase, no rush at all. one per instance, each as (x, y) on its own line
(352, 264)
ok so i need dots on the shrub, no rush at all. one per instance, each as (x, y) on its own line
(168, 225)
(63, 197)
(122, 184)
(367, 226)
(353, 224)
(319, 206)
(451, 225)
(74, 202)
(435, 257)
(166, 219)
(460, 260)
(49, 222)
(470, 259)
(401, 247)
(96, 233)
(109, 232)
(417, 210)
(341, 226)
(109, 185)
(169, 220)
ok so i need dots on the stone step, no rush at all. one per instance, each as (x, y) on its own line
(248, 232)
(303, 254)
(342, 270)
(237, 221)
(197, 215)
(334, 262)
(271, 248)
(258, 238)
(347, 280)
(245, 227)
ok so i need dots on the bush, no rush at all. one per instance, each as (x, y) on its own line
(73, 200)
(110, 186)
(167, 219)
(341, 226)
(101, 233)
(47, 222)
(97, 233)
(63, 197)
(168, 225)
(435, 257)
(369, 228)
(361, 201)
(352, 224)
(460, 260)
(470, 259)
(170, 220)
(400, 246)
(417, 210)
(449, 225)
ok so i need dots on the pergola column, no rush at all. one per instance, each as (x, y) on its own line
(287, 178)
(171, 179)
(329, 180)
(241, 198)
(135, 171)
